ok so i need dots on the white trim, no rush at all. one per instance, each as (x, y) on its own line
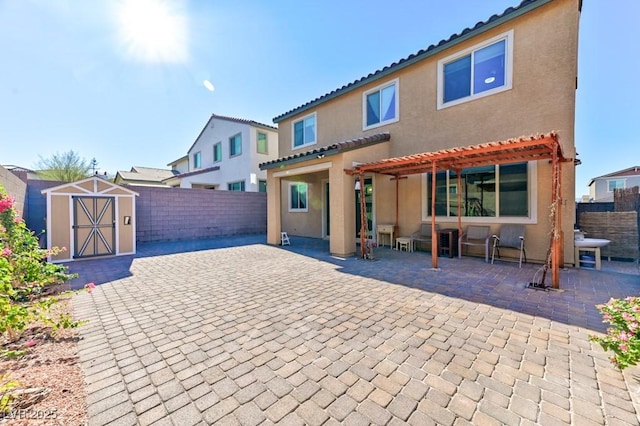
(80, 182)
(624, 181)
(395, 82)
(508, 71)
(72, 240)
(532, 185)
(303, 170)
(306, 204)
(116, 219)
(293, 131)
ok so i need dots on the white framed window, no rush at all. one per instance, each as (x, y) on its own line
(380, 105)
(262, 143)
(262, 185)
(498, 193)
(236, 186)
(217, 152)
(197, 160)
(304, 131)
(298, 197)
(614, 184)
(479, 71)
(235, 145)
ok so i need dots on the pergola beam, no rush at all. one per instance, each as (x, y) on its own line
(504, 152)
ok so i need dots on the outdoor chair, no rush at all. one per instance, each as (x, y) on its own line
(475, 236)
(423, 235)
(512, 237)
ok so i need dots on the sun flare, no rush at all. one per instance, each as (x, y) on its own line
(153, 30)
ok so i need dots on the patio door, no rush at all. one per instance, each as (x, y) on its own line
(94, 226)
(367, 193)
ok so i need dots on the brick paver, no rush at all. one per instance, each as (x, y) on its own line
(244, 333)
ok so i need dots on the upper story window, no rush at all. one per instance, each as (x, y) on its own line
(262, 144)
(304, 131)
(615, 184)
(235, 145)
(380, 105)
(479, 71)
(197, 160)
(262, 185)
(217, 152)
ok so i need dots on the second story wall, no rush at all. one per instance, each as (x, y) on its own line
(541, 57)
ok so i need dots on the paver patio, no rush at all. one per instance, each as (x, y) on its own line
(239, 332)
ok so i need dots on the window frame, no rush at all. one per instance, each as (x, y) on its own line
(508, 70)
(306, 204)
(232, 138)
(293, 131)
(532, 194)
(395, 82)
(266, 142)
(197, 160)
(217, 144)
(242, 182)
(610, 181)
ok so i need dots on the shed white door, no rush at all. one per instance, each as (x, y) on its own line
(94, 226)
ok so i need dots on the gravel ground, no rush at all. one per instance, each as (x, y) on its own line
(52, 363)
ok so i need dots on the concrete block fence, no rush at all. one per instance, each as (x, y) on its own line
(15, 187)
(172, 214)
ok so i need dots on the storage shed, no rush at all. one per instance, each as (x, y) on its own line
(90, 218)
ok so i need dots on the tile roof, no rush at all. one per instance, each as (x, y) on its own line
(193, 173)
(234, 119)
(332, 149)
(482, 26)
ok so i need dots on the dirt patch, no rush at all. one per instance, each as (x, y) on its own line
(49, 377)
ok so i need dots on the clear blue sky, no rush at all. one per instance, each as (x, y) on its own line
(102, 79)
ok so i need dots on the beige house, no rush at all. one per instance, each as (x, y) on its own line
(509, 77)
(601, 188)
(90, 218)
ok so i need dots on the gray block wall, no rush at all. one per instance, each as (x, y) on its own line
(36, 205)
(15, 187)
(171, 214)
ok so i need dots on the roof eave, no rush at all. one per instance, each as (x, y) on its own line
(410, 61)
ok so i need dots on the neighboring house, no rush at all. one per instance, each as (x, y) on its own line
(22, 172)
(601, 188)
(226, 156)
(181, 165)
(144, 176)
(510, 76)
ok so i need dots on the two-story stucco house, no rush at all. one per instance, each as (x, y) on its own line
(226, 156)
(601, 188)
(506, 85)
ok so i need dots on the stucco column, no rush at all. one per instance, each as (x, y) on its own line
(274, 203)
(342, 204)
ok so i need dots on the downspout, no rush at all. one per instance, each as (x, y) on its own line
(459, 196)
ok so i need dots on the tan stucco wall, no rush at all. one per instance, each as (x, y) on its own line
(126, 233)
(61, 225)
(542, 99)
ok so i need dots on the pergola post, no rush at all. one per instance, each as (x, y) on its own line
(363, 218)
(434, 234)
(555, 225)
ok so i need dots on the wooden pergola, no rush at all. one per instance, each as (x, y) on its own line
(522, 149)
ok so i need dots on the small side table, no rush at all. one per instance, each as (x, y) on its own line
(404, 242)
(596, 254)
(385, 229)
